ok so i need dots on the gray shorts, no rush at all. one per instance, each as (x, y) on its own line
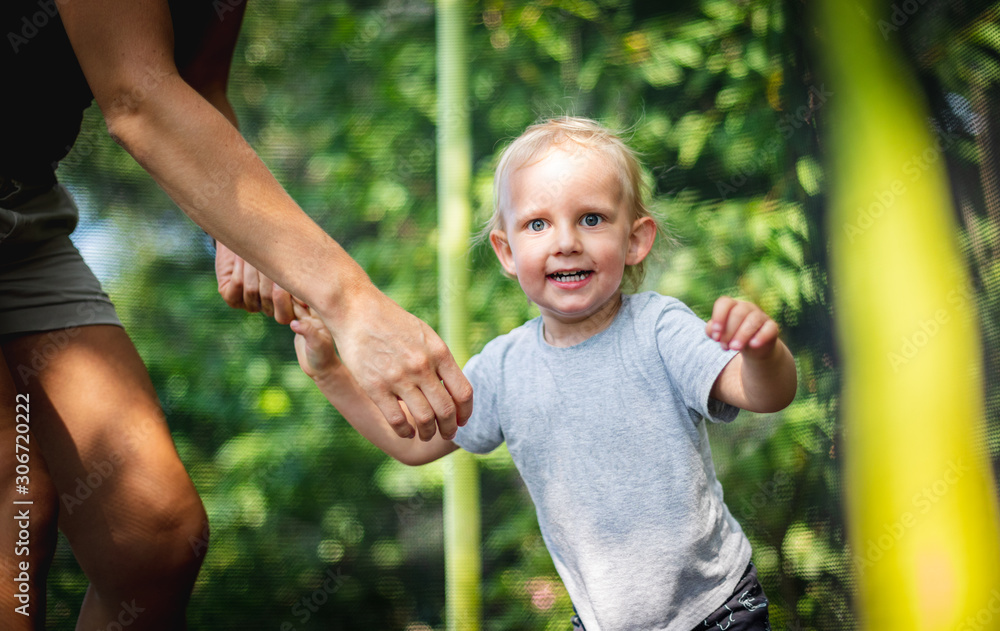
(44, 283)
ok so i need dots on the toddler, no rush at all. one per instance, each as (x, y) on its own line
(602, 400)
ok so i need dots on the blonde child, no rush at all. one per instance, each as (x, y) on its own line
(602, 400)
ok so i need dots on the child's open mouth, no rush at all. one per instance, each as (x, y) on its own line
(571, 277)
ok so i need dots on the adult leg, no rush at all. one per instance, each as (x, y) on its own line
(126, 504)
(28, 534)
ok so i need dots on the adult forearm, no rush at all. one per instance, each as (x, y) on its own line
(204, 164)
(769, 384)
(208, 169)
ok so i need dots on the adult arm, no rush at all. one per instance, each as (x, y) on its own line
(240, 284)
(125, 48)
(243, 287)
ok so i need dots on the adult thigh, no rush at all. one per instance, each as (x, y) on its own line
(127, 506)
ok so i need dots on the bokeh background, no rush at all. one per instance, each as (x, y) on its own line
(725, 102)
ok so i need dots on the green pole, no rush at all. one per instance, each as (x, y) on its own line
(454, 177)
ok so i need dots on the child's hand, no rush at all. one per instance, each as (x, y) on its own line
(314, 345)
(742, 326)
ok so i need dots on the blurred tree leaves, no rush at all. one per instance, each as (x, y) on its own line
(338, 98)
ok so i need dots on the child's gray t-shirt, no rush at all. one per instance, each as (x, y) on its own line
(610, 440)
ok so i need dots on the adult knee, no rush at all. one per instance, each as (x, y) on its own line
(160, 545)
(178, 534)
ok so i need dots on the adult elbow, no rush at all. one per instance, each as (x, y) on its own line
(127, 105)
(118, 129)
(126, 129)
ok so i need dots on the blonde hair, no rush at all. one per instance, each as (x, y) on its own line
(534, 143)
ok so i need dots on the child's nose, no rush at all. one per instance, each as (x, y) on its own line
(567, 240)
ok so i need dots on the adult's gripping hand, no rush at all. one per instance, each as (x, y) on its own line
(242, 286)
(394, 356)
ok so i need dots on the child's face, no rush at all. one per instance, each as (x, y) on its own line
(568, 235)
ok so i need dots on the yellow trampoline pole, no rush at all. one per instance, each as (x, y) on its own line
(922, 506)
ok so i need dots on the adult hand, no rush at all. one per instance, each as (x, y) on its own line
(243, 287)
(394, 356)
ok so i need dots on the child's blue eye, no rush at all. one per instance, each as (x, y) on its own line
(536, 225)
(592, 220)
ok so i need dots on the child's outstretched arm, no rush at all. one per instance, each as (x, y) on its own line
(762, 377)
(318, 358)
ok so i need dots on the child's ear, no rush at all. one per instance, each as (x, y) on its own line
(498, 239)
(640, 240)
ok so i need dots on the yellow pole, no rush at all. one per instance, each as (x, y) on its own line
(922, 506)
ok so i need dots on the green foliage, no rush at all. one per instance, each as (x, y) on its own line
(338, 98)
